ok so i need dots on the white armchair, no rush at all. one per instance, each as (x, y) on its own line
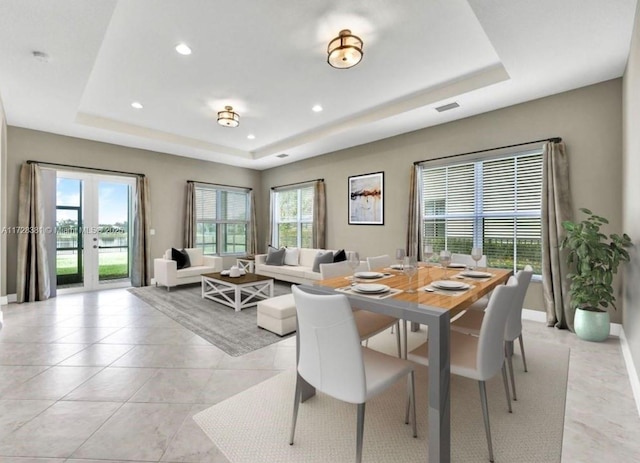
(166, 273)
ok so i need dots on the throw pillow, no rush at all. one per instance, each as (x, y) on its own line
(340, 256)
(291, 256)
(275, 257)
(322, 258)
(181, 257)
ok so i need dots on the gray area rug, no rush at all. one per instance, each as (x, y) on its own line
(253, 426)
(236, 333)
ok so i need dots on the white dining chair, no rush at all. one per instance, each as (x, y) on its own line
(332, 360)
(471, 321)
(368, 323)
(481, 357)
(378, 262)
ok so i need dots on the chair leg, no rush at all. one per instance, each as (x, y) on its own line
(509, 357)
(404, 334)
(485, 414)
(397, 326)
(524, 359)
(296, 402)
(360, 433)
(506, 386)
(412, 397)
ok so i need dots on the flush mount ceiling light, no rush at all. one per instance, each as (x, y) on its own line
(317, 108)
(137, 105)
(344, 51)
(251, 136)
(228, 118)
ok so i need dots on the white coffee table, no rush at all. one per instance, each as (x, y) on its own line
(237, 292)
(245, 264)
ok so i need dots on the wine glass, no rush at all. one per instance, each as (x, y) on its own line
(428, 252)
(476, 255)
(410, 268)
(354, 262)
(445, 260)
(400, 255)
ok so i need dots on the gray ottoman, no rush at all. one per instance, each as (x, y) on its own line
(278, 314)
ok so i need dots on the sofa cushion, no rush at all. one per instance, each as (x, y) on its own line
(340, 256)
(291, 256)
(325, 257)
(194, 271)
(181, 257)
(275, 257)
(195, 256)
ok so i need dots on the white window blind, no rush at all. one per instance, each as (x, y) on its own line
(293, 217)
(494, 204)
(222, 220)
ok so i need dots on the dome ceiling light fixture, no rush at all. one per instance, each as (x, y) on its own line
(345, 51)
(228, 118)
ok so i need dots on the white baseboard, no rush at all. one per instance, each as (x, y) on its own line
(541, 317)
(12, 298)
(634, 379)
(4, 300)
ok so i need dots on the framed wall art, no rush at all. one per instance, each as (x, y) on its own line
(366, 199)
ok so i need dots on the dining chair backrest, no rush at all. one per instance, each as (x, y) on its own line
(514, 322)
(467, 260)
(330, 354)
(490, 353)
(378, 262)
(337, 269)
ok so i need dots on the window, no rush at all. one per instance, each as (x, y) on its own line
(293, 217)
(494, 204)
(222, 220)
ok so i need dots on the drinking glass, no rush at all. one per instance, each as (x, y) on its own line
(354, 262)
(410, 268)
(476, 255)
(400, 255)
(428, 252)
(445, 260)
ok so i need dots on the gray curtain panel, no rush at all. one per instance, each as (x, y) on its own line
(253, 226)
(190, 216)
(319, 215)
(272, 210)
(556, 207)
(33, 278)
(140, 266)
(414, 238)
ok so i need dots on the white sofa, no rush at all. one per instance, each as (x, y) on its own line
(301, 274)
(166, 273)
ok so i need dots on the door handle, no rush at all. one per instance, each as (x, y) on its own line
(95, 247)
(95, 239)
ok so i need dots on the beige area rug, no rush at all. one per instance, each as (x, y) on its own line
(253, 426)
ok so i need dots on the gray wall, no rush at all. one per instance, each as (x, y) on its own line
(631, 193)
(588, 119)
(167, 180)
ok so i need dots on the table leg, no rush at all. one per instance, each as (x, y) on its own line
(238, 298)
(439, 398)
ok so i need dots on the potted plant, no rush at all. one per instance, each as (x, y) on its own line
(594, 258)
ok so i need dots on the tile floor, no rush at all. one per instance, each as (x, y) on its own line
(104, 377)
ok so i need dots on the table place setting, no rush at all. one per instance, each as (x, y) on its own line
(447, 287)
(474, 275)
(372, 290)
(370, 276)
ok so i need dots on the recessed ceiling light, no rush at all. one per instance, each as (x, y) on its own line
(251, 136)
(137, 105)
(317, 108)
(183, 49)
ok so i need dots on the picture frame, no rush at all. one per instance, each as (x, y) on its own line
(366, 199)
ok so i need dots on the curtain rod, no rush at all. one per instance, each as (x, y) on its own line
(84, 168)
(298, 183)
(220, 184)
(553, 139)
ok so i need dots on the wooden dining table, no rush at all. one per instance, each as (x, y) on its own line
(433, 309)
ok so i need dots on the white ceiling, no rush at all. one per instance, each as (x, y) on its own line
(267, 58)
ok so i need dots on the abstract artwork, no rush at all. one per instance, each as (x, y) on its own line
(366, 199)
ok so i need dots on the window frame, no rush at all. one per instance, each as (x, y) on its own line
(299, 220)
(478, 216)
(220, 224)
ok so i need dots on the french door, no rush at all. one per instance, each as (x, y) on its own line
(93, 230)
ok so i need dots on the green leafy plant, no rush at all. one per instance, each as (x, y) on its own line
(594, 258)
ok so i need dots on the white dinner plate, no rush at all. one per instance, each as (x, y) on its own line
(456, 265)
(449, 284)
(370, 288)
(369, 275)
(475, 274)
(397, 266)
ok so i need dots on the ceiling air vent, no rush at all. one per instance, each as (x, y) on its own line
(283, 155)
(447, 107)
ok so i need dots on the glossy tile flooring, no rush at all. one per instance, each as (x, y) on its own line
(104, 377)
